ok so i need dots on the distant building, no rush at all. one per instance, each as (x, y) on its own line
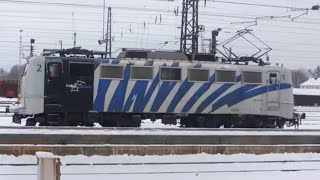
(308, 94)
(306, 97)
(313, 83)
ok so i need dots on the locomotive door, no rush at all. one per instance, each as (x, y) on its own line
(55, 85)
(273, 87)
(79, 86)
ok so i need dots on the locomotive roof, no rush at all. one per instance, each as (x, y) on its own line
(224, 65)
(151, 54)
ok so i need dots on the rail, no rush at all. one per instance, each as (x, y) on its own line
(52, 169)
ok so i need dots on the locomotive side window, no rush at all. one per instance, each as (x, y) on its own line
(225, 76)
(142, 72)
(273, 78)
(170, 73)
(54, 69)
(198, 75)
(111, 72)
(80, 69)
(251, 77)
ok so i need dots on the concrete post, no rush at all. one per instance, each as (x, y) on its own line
(48, 166)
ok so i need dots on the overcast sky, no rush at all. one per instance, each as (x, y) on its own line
(136, 24)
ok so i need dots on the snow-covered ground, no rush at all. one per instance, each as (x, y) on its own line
(312, 120)
(187, 167)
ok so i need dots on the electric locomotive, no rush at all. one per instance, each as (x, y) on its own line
(198, 90)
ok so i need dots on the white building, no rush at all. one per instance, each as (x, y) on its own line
(313, 83)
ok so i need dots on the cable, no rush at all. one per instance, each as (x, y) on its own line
(18, 165)
(194, 163)
(89, 31)
(126, 22)
(18, 174)
(135, 8)
(83, 5)
(189, 172)
(169, 11)
(256, 4)
(117, 21)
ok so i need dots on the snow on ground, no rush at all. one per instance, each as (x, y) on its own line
(191, 167)
(307, 108)
(158, 132)
(191, 171)
(312, 120)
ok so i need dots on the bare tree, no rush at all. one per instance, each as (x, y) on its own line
(3, 73)
(315, 73)
(299, 76)
(13, 74)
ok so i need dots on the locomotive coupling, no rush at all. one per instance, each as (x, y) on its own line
(298, 118)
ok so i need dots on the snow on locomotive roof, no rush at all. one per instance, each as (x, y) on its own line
(308, 92)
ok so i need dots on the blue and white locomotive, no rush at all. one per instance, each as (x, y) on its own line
(143, 84)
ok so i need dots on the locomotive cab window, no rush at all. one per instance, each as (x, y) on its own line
(223, 76)
(170, 73)
(111, 72)
(273, 78)
(141, 72)
(198, 75)
(251, 77)
(54, 69)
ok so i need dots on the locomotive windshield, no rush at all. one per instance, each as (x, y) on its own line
(55, 70)
(273, 78)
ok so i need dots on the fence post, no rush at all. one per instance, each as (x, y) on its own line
(48, 166)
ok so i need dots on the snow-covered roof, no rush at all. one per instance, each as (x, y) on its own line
(312, 81)
(310, 92)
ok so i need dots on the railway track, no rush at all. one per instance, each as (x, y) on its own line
(19, 140)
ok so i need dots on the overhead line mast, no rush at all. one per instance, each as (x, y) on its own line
(189, 27)
(109, 34)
